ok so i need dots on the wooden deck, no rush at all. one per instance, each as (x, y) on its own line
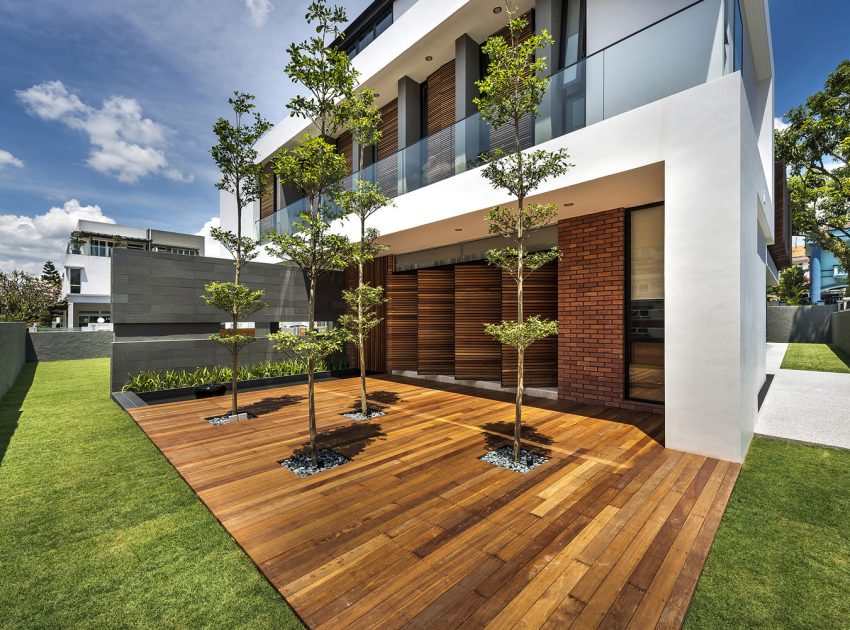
(416, 531)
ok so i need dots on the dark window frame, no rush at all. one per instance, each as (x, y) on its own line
(627, 304)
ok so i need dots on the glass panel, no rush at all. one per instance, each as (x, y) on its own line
(677, 53)
(672, 56)
(646, 305)
(74, 279)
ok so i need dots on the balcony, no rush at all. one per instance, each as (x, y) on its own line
(681, 51)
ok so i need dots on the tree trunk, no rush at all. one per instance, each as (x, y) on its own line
(520, 356)
(234, 350)
(311, 399)
(360, 315)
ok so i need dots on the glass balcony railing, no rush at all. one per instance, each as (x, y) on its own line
(679, 52)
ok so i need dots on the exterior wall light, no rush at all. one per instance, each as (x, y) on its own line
(428, 58)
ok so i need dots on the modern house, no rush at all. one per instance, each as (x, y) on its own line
(86, 284)
(827, 277)
(668, 223)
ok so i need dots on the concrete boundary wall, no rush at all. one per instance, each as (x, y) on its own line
(800, 324)
(12, 353)
(68, 345)
(161, 322)
(841, 330)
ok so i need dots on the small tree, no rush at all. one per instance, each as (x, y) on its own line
(793, 287)
(816, 148)
(512, 90)
(314, 167)
(25, 298)
(245, 179)
(363, 201)
(50, 274)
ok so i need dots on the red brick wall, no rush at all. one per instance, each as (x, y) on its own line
(591, 302)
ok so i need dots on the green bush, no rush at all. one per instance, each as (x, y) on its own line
(155, 380)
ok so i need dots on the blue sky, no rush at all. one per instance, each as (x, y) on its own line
(107, 106)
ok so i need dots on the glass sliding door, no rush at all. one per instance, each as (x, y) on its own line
(645, 304)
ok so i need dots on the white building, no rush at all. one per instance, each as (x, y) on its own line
(666, 108)
(86, 283)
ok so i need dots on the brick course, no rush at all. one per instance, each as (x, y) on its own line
(591, 304)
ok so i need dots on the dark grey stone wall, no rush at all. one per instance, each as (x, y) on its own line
(841, 330)
(799, 324)
(12, 353)
(161, 323)
(67, 345)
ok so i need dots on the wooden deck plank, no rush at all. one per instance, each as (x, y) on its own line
(416, 531)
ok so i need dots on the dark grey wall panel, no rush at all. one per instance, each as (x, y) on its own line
(65, 346)
(157, 288)
(161, 322)
(799, 324)
(12, 352)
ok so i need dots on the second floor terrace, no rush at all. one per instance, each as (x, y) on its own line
(696, 44)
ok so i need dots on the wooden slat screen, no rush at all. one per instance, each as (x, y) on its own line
(267, 198)
(436, 321)
(478, 300)
(439, 147)
(386, 169)
(388, 144)
(344, 142)
(540, 297)
(374, 273)
(402, 315)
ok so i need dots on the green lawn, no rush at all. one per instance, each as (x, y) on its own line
(98, 530)
(781, 558)
(819, 357)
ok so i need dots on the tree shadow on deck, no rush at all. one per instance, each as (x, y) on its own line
(377, 401)
(269, 405)
(502, 434)
(10, 406)
(350, 439)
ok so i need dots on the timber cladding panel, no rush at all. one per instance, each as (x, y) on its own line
(478, 300)
(436, 330)
(267, 200)
(402, 315)
(440, 105)
(345, 146)
(375, 273)
(540, 297)
(388, 144)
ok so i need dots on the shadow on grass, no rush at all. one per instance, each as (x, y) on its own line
(502, 434)
(350, 439)
(377, 401)
(269, 405)
(10, 406)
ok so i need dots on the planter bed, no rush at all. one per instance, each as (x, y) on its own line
(188, 393)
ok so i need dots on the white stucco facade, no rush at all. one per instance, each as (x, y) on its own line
(706, 152)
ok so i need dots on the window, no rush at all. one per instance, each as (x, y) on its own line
(91, 317)
(573, 29)
(645, 304)
(366, 36)
(184, 252)
(75, 279)
(101, 248)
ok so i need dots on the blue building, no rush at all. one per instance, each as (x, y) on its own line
(827, 277)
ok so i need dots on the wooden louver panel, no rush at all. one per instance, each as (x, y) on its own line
(435, 325)
(267, 197)
(402, 322)
(388, 144)
(344, 142)
(374, 273)
(478, 300)
(540, 292)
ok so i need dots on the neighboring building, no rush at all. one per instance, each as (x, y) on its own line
(827, 277)
(86, 283)
(668, 224)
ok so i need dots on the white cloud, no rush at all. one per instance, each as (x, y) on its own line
(259, 10)
(124, 144)
(211, 246)
(7, 159)
(779, 124)
(27, 242)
